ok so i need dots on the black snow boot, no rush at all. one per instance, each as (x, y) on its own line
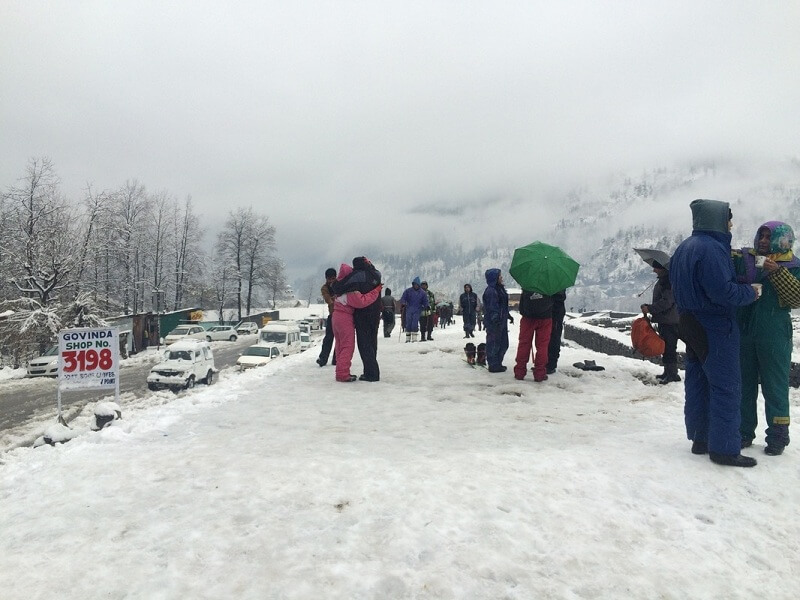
(671, 373)
(469, 350)
(777, 439)
(482, 354)
(730, 460)
(699, 447)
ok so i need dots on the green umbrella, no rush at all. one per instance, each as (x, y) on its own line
(543, 268)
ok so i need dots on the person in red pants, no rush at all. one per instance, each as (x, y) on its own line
(536, 324)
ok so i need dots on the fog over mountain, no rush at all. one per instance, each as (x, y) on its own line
(599, 224)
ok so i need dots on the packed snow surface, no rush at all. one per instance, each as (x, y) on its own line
(440, 481)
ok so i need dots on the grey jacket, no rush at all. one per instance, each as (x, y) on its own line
(663, 307)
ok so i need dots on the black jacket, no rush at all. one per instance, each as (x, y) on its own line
(534, 305)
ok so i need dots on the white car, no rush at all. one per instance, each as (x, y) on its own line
(185, 332)
(221, 332)
(305, 341)
(246, 328)
(184, 364)
(44, 365)
(257, 356)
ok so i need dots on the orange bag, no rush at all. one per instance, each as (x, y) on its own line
(645, 339)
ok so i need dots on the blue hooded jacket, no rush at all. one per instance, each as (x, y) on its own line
(495, 301)
(701, 270)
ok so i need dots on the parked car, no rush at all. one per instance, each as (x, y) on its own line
(257, 356)
(304, 326)
(184, 363)
(221, 332)
(284, 334)
(316, 322)
(305, 341)
(246, 328)
(44, 365)
(185, 332)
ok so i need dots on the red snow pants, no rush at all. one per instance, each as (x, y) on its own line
(528, 330)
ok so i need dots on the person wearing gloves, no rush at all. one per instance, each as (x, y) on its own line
(496, 319)
(766, 331)
(344, 329)
(707, 294)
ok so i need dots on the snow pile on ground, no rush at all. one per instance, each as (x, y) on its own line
(440, 481)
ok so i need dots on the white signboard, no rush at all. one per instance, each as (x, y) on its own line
(88, 358)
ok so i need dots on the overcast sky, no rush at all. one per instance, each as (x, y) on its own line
(356, 122)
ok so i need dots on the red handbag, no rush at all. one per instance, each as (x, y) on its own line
(645, 339)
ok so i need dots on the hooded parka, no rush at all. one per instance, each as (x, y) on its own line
(707, 294)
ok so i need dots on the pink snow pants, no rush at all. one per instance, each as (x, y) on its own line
(344, 334)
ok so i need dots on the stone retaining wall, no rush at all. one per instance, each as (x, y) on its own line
(599, 343)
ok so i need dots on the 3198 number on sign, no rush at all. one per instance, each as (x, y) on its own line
(87, 360)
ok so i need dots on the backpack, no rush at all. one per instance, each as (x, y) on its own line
(645, 339)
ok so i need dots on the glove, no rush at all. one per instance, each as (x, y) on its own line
(510, 319)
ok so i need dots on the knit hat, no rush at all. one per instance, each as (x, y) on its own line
(330, 273)
(415, 280)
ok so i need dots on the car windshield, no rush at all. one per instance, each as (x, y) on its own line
(273, 336)
(304, 337)
(51, 351)
(256, 351)
(219, 328)
(178, 355)
(183, 330)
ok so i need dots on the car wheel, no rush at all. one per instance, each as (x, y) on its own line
(190, 382)
(208, 338)
(233, 338)
(210, 377)
(152, 387)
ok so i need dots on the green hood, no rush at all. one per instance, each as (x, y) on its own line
(710, 215)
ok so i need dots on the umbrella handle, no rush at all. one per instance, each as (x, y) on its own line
(639, 295)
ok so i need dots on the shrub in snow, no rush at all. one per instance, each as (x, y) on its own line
(56, 434)
(105, 413)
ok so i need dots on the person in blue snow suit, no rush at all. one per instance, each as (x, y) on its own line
(468, 301)
(495, 320)
(412, 302)
(707, 294)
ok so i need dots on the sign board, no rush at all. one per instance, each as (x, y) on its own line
(88, 358)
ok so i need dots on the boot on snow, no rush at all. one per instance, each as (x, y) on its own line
(481, 357)
(670, 373)
(469, 350)
(730, 460)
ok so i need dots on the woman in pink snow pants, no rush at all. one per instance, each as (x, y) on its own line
(344, 329)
